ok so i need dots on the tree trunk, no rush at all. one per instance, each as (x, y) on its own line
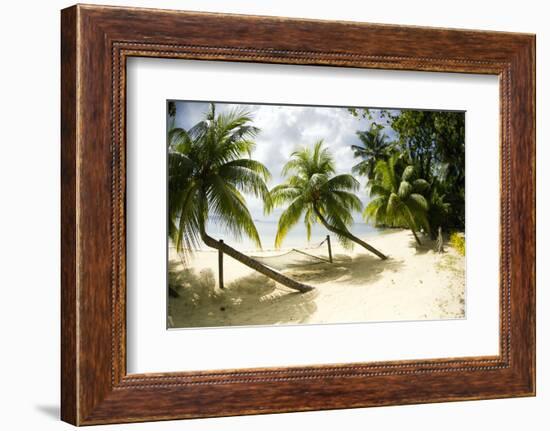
(329, 249)
(416, 237)
(254, 264)
(346, 233)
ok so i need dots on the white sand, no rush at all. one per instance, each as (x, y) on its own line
(415, 283)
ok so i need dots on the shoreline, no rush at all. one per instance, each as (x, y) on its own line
(415, 283)
(303, 245)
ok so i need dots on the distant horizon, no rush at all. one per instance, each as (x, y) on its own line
(296, 237)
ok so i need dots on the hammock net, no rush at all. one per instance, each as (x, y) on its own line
(292, 258)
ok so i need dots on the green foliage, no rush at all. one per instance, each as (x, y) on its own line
(207, 174)
(312, 190)
(458, 241)
(374, 146)
(439, 209)
(171, 108)
(397, 197)
(433, 142)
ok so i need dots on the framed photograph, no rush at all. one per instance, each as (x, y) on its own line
(266, 215)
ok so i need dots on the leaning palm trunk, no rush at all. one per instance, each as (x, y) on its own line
(254, 264)
(346, 233)
(416, 237)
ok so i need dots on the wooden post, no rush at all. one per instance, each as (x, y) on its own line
(220, 265)
(329, 249)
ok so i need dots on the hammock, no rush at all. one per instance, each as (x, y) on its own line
(291, 259)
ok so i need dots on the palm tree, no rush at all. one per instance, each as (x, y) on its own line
(312, 190)
(207, 176)
(397, 201)
(374, 147)
(439, 209)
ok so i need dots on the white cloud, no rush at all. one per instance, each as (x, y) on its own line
(286, 128)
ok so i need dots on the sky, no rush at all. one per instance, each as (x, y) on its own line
(283, 129)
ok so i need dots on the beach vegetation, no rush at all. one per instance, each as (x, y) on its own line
(433, 142)
(398, 199)
(315, 192)
(458, 241)
(374, 146)
(210, 168)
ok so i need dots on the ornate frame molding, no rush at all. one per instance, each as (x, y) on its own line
(96, 41)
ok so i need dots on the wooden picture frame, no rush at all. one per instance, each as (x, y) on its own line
(95, 43)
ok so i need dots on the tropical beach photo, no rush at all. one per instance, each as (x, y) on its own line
(288, 214)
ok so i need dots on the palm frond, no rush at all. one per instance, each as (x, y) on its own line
(283, 194)
(342, 182)
(421, 186)
(405, 189)
(418, 201)
(375, 211)
(289, 218)
(309, 219)
(408, 173)
(229, 206)
(185, 219)
(207, 173)
(348, 200)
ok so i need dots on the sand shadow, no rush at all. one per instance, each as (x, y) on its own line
(428, 245)
(250, 300)
(361, 269)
